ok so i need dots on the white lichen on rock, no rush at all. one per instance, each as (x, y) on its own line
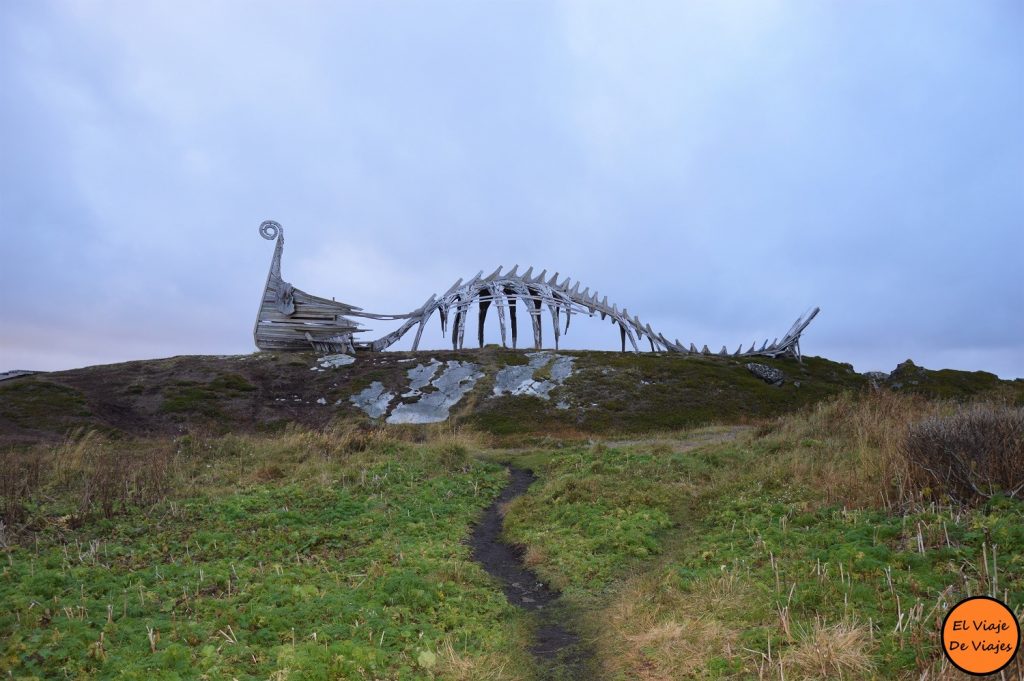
(453, 383)
(373, 400)
(521, 380)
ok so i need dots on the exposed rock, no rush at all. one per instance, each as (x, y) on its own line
(876, 379)
(335, 361)
(521, 379)
(766, 373)
(456, 380)
(373, 400)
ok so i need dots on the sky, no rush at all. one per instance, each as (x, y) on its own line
(716, 167)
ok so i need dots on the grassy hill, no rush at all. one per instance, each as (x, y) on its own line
(607, 393)
(208, 518)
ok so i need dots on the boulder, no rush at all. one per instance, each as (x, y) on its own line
(766, 373)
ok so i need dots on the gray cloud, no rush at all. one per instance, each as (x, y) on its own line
(717, 168)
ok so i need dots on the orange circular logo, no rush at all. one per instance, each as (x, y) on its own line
(980, 635)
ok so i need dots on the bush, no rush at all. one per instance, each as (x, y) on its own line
(971, 454)
(20, 475)
(453, 456)
(102, 476)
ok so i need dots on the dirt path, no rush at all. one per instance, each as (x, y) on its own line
(557, 647)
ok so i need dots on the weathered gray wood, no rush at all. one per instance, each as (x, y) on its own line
(291, 319)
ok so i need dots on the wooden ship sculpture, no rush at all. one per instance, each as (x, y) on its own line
(291, 319)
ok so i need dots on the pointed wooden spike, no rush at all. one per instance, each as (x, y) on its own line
(738, 350)
(493, 275)
(527, 274)
(554, 280)
(693, 348)
(540, 277)
(454, 286)
(705, 350)
(575, 289)
(511, 274)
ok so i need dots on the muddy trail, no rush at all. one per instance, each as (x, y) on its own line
(558, 649)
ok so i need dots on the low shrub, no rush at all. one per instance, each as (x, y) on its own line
(972, 454)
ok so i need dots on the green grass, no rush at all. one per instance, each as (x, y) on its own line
(954, 384)
(696, 564)
(34, 403)
(626, 392)
(802, 548)
(185, 397)
(338, 567)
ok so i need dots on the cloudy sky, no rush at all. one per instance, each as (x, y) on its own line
(717, 168)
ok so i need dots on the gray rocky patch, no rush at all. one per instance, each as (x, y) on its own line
(519, 379)
(876, 379)
(450, 387)
(373, 400)
(420, 377)
(334, 361)
(766, 373)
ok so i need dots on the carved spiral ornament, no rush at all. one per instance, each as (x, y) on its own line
(270, 229)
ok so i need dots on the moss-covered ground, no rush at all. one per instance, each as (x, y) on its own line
(294, 557)
(800, 546)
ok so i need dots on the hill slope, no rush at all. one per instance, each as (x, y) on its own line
(605, 392)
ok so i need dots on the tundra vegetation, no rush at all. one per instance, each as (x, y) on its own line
(824, 543)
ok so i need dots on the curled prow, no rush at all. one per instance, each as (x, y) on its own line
(271, 229)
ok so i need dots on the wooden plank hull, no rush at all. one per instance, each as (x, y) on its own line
(291, 319)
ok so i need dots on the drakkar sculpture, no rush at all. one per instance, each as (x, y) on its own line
(291, 319)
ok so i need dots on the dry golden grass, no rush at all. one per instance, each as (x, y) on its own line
(534, 556)
(891, 450)
(459, 667)
(107, 475)
(850, 448)
(824, 651)
(656, 632)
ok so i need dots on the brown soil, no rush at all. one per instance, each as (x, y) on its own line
(556, 646)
